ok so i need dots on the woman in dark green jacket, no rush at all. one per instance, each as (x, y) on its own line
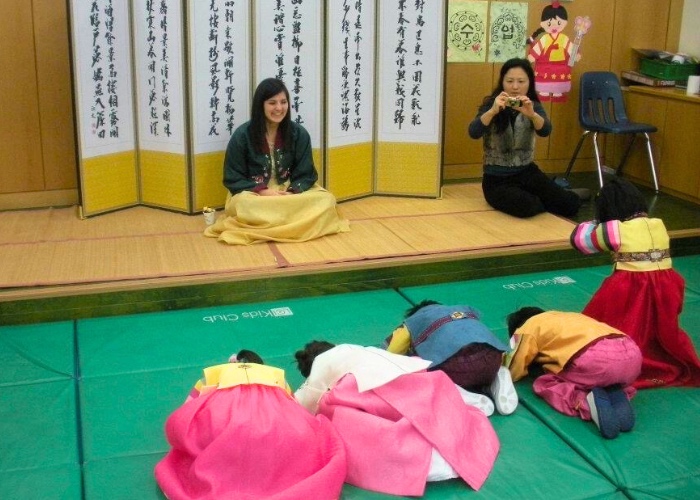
(271, 178)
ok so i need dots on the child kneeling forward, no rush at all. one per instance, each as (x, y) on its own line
(589, 366)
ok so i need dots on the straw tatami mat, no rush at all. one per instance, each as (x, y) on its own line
(121, 258)
(478, 230)
(40, 248)
(63, 224)
(455, 198)
(367, 239)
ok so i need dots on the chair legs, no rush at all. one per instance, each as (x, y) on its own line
(651, 162)
(578, 148)
(649, 155)
(597, 156)
(622, 163)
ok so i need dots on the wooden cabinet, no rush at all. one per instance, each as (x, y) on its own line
(37, 148)
(676, 144)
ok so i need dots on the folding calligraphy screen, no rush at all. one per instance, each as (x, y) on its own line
(288, 46)
(219, 81)
(104, 105)
(373, 106)
(411, 72)
(350, 38)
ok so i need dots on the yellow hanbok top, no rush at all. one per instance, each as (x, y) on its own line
(229, 375)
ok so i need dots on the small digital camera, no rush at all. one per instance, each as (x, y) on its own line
(514, 102)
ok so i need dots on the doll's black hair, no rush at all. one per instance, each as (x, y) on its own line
(548, 13)
(516, 319)
(619, 199)
(306, 356)
(420, 305)
(246, 356)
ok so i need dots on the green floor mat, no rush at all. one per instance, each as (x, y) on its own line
(125, 414)
(552, 470)
(659, 458)
(495, 298)
(689, 268)
(39, 455)
(549, 469)
(137, 369)
(123, 478)
(36, 353)
(667, 418)
(566, 290)
(60, 482)
(197, 338)
(133, 371)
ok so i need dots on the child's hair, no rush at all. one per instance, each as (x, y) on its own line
(413, 310)
(246, 356)
(306, 356)
(516, 319)
(619, 199)
(549, 12)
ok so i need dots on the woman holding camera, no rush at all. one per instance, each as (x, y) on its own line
(508, 120)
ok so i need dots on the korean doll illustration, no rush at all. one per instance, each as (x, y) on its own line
(553, 53)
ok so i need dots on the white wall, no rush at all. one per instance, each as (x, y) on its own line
(690, 34)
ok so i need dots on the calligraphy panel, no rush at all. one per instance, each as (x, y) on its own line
(288, 46)
(220, 84)
(350, 36)
(411, 73)
(158, 56)
(104, 105)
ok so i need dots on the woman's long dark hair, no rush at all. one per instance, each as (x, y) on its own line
(502, 120)
(266, 89)
(549, 12)
(619, 199)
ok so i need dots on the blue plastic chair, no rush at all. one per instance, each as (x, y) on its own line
(602, 110)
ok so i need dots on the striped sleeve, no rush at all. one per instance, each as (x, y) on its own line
(196, 390)
(589, 237)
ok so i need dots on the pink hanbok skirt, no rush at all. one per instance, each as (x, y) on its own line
(389, 432)
(250, 442)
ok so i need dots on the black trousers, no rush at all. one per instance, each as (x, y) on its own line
(528, 193)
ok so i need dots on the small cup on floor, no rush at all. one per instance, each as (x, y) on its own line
(209, 215)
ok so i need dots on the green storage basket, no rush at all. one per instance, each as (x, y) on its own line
(667, 70)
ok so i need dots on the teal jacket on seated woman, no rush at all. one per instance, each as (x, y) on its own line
(247, 170)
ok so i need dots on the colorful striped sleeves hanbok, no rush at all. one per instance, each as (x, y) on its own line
(592, 237)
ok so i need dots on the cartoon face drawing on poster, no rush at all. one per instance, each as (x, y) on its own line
(553, 53)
